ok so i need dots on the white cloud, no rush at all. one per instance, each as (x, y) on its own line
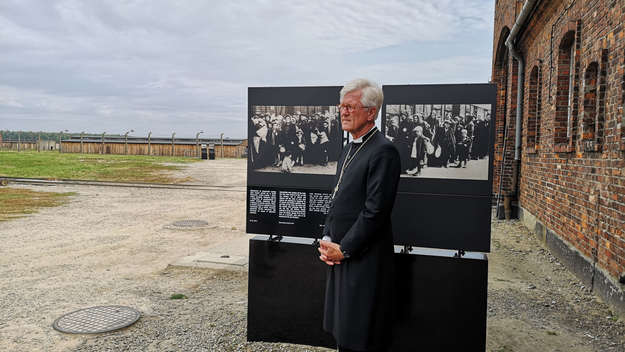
(185, 66)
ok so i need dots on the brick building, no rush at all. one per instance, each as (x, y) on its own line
(568, 178)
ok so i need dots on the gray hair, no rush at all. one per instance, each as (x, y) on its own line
(372, 94)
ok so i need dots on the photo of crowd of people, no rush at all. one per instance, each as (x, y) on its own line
(295, 139)
(441, 141)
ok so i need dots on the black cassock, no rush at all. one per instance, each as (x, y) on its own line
(359, 291)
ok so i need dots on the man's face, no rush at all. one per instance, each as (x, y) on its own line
(356, 120)
(395, 121)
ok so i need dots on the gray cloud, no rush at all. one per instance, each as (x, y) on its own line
(185, 66)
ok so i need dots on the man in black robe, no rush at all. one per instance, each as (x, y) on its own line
(358, 242)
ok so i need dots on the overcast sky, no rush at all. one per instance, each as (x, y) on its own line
(184, 66)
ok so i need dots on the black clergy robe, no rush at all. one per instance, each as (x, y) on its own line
(359, 291)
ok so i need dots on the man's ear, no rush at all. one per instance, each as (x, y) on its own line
(373, 112)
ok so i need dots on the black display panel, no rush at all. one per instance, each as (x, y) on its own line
(440, 300)
(442, 221)
(294, 142)
(444, 135)
(285, 211)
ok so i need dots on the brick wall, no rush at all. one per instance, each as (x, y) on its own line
(572, 175)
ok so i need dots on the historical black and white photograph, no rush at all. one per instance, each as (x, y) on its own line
(295, 139)
(441, 141)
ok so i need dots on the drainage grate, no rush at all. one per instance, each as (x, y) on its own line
(96, 320)
(190, 223)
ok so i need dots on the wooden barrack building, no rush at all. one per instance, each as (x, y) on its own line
(185, 147)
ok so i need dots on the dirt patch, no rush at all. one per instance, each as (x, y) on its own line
(17, 202)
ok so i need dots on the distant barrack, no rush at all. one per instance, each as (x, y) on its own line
(158, 146)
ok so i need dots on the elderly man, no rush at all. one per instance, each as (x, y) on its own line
(358, 242)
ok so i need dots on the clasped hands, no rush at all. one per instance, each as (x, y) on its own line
(330, 252)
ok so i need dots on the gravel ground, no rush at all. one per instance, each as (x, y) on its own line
(535, 304)
(111, 246)
(212, 318)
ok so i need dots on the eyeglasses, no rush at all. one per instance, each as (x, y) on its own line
(351, 108)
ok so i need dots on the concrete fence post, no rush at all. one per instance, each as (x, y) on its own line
(81, 135)
(102, 151)
(173, 135)
(222, 145)
(149, 143)
(197, 144)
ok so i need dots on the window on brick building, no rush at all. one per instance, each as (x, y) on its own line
(601, 103)
(621, 130)
(569, 110)
(534, 109)
(589, 115)
(564, 118)
(595, 83)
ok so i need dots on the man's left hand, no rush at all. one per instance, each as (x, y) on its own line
(330, 252)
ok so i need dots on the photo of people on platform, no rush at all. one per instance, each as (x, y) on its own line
(441, 141)
(295, 139)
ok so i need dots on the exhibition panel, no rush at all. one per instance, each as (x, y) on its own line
(440, 299)
(295, 139)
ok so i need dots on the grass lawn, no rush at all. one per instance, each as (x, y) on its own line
(15, 203)
(120, 168)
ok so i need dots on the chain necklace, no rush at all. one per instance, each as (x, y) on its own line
(349, 159)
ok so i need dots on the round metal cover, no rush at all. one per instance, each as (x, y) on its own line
(190, 223)
(96, 320)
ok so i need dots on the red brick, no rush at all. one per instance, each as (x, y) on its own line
(576, 191)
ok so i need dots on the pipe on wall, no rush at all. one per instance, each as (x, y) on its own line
(522, 18)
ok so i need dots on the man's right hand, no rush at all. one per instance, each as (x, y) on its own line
(327, 251)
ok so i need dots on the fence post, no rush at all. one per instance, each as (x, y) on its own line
(19, 140)
(81, 134)
(102, 151)
(172, 143)
(38, 142)
(222, 145)
(149, 144)
(197, 144)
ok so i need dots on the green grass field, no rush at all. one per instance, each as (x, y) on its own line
(116, 168)
(15, 203)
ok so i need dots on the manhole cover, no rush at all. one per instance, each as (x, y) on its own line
(189, 225)
(96, 320)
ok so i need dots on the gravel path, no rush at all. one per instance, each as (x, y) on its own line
(535, 304)
(213, 318)
(112, 246)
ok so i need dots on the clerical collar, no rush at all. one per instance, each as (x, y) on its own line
(366, 135)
